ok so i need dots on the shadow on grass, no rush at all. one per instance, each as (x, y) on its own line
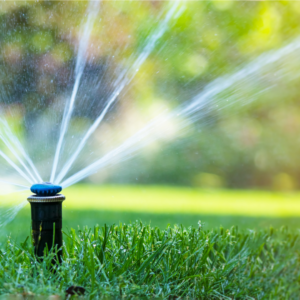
(19, 228)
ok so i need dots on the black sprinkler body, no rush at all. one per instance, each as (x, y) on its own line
(46, 217)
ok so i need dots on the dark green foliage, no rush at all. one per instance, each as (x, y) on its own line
(140, 261)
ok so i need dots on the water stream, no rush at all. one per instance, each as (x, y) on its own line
(203, 103)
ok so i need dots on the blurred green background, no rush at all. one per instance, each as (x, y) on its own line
(253, 146)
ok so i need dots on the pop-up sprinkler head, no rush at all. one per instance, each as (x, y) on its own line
(46, 216)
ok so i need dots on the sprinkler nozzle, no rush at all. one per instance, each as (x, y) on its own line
(45, 189)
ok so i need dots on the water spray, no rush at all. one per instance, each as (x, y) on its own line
(46, 217)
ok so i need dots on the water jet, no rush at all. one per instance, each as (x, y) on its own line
(46, 218)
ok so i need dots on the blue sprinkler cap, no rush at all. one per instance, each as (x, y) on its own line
(45, 189)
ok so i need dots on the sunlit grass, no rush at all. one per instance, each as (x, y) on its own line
(158, 199)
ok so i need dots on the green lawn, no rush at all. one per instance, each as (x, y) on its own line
(141, 262)
(87, 205)
(250, 261)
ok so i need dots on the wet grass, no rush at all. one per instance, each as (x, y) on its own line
(134, 261)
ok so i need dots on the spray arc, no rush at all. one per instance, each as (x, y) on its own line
(46, 217)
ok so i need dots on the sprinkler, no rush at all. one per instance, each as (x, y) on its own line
(46, 217)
